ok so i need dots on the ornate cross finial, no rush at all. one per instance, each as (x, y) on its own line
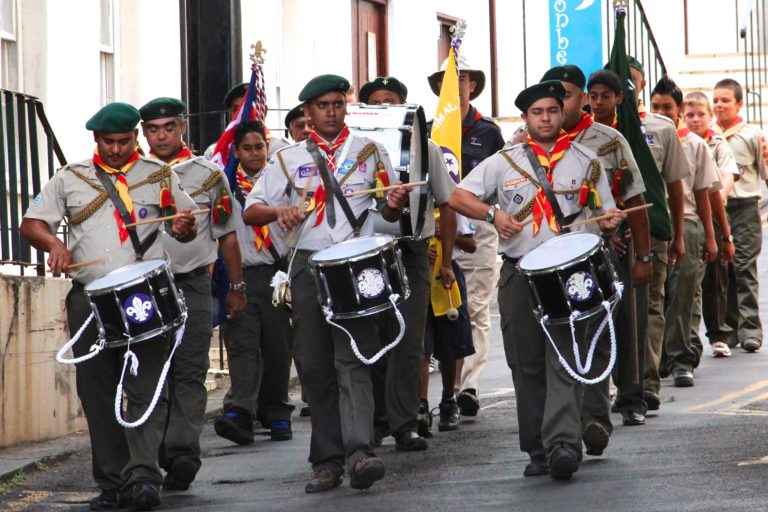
(620, 6)
(257, 53)
(457, 33)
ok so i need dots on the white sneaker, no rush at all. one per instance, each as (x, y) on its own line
(720, 349)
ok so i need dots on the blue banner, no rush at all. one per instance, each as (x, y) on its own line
(576, 34)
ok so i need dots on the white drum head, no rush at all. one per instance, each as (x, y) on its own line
(559, 250)
(125, 274)
(351, 248)
(382, 124)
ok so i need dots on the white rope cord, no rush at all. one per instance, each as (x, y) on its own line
(393, 299)
(130, 355)
(92, 352)
(591, 351)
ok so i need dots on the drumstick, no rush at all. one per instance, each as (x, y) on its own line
(384, 189)
(73, 266)
(532, 219)
(302, 202)
(167, 217)
(607, 215)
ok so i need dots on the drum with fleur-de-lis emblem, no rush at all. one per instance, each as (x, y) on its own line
(136, 302)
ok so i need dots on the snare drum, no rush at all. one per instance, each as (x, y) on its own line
(136, 302)
(402, 130)
(568, 273)
(357, 277)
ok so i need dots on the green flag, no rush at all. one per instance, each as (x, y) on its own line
(630, 126)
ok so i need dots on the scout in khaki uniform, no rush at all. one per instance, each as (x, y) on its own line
(700, 246)
(259, 346)
(398, 378)
(338, 385)
(627, 189)
(712, 295)
(749, 149)
(548, 399)
(297, 124)
(124, 460)
(164, 127)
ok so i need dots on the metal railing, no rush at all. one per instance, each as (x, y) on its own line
(641, 43)
(752, 35)
(24, 160)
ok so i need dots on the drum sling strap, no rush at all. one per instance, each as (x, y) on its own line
(138, 247)
(541, 175)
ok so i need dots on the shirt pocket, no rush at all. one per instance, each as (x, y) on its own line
(146, 203)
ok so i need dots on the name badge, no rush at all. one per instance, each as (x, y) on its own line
(510, 184)
(307, 171)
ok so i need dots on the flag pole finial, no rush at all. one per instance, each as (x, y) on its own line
(257, 53)
(620, 6)
(457, 33)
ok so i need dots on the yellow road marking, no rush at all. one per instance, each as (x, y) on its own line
(762, 460)
(729, 397)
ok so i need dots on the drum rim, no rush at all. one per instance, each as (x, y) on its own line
(391, 242)
(561, 320)
(564, 265)
(149, 334)
(373, 309)
(156, 271)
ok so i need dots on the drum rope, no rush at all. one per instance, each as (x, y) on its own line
(131, 356)
(393, 299)
(619, 287)
(92, 352)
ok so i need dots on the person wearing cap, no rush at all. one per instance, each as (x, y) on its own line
(397, 380)
(164, 126)
(627, 188)
(124, 461)
(298, 125)
(548, 399)
(634, 400)
(480, 139)
(291, 192)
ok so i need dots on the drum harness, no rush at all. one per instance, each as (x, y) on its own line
(541, 174)
(139, 248)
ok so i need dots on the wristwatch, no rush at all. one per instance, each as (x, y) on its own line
(491, 214)
(728, 238)
(643, 258)
(239, 287)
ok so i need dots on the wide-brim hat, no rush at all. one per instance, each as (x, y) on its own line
(475, 74)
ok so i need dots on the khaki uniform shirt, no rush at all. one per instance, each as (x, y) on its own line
(293, 170)
(661, 134)
(515, 191)
(748, 149)
(706, 175)
(203, 181)
(246, 237)
(721, 150)
(75, 186)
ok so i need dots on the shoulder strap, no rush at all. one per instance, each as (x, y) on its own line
(541, 174)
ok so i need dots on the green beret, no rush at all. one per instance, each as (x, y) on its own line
(568, 73)
(235, 93)
(324, 84)
(159, 108)
(546, 89)
(114, 118)
(295, 113)
(634, 63)
(383, 83)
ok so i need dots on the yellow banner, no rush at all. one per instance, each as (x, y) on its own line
(446, 127)
(442, 299)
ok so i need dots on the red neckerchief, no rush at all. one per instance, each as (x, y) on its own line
(710, 133)
(330, 158)
(466, 127)
(541, 206)
(261, 238)
(641, 109)
(184, 154)
(584, 123)
(683, 133)
(122, 189)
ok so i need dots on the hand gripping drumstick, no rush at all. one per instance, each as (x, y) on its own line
(384, 189)
(607, 216)
(73, 266)
(167, 217)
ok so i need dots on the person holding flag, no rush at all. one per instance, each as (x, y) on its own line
(467, 138)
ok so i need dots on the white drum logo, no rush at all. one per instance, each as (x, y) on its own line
(580, 286)
(370, 283)
(138, 307)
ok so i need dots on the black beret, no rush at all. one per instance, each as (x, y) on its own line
(324, 84)
(385, 83)
(114, 118)
(568, 73)
(294, 113)
(547, 89)
(634, 63)
(160, 108)
(234, 93)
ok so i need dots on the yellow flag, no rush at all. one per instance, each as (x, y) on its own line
(446, 127)
(441, 298)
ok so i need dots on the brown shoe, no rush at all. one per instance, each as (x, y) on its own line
(323, 480)
(366, 471)
(595, 437)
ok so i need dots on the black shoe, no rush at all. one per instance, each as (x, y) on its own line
(323, 480)
(366, 471)
(468, 402)
(683, 378)
(109, 499)
(305, 412)
(563, 463)
(595, 438)
(280, 430)
(632, 418)
(235, 425)
(751, 344)
(449, 415)
(410, 441)
(424, 420)
(538, 465)
(144, 496)
(181, 474)
(652, 400)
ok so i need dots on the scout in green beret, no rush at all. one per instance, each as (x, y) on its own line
(114, 130)
(163, 107)
(297, 124)
(638, 76)
(384, 89)
(325, 103)
(568, 73)
(234, 97)
(547, 89)
(324, 84)
(164, 128)
(114, 118)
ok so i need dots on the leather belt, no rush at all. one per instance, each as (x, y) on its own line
(183, 276)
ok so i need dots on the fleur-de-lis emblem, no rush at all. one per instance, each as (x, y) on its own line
(138, 307)
(581, 286)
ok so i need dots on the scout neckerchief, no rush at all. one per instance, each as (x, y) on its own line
(682, 133)
(541, 206)
(184, 154)
(708, 136)
(733, 129)
(584, 123)
(262, 237)
(122, 189)
(465, 127)
(319, 196)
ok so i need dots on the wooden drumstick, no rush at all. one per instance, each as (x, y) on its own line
(73, 266)
(384, 189)
(607, 216)
(302, 203)
(167, 217)
(531, 220)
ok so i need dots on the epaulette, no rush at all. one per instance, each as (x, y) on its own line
(609, 147)
(211, 181)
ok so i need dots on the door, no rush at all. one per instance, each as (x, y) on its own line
(369, 40)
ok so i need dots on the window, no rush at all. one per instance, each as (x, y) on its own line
(107, 50)
(9, 46)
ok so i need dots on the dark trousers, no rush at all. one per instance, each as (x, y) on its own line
(397, 377)
(120, 456)
(259, 352)
(743, 312)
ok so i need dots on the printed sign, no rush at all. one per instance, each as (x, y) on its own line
(576, 34)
